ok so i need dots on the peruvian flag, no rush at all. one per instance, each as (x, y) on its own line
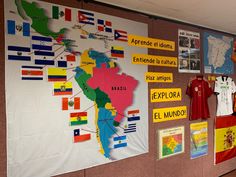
(71, 103)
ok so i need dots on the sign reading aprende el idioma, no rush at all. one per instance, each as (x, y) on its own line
(154, 60)
(172, 113)
(165, 94)
(141, 41)
(158, 77)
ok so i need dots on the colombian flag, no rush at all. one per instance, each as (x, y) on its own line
(78, 118)
(225, 138)
(56, 74)
(62, 88)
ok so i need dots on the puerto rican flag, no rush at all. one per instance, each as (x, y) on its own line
(121, 35)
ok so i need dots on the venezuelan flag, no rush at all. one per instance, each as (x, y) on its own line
(78, 118)
(62, 88)
(225, 138)
(117, 51)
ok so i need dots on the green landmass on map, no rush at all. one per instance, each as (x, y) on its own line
(82, 81)
(101, 98)
(40, 22)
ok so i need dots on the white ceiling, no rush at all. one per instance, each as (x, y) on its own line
(215, 14)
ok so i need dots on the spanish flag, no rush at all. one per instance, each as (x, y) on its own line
(225, 138)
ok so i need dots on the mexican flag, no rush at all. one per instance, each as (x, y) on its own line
(61, 12)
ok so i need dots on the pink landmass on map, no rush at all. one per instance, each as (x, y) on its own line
(119, 87)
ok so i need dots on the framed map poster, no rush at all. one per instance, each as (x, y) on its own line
(218, 51)
(171, 141)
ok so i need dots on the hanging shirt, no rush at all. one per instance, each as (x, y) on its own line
(234, 104)
(225, 87)
(199, 90)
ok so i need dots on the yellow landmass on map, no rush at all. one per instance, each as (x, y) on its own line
(109, 106)
(112, 64)
(101, 150)
(87, 63)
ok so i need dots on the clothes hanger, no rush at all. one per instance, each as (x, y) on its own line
(224, 77)
(199, 76)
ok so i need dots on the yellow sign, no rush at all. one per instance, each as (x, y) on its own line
(166, 94)
(140, 41)
(158, 77)
(154, 60)
(166, 114)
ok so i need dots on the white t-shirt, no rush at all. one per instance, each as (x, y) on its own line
(225, 87)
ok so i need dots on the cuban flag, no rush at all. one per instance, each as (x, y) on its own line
(86, 17)
(18, 29)
(121, 35)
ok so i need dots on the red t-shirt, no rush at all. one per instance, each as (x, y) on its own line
(199, 90)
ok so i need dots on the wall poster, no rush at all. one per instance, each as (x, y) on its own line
(199, 139)
(218, 53)
(74, 99)
(171, 141)
(189, 51)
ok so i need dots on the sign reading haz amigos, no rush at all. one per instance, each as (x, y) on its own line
(158, 77)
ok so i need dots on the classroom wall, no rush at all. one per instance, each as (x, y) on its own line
(145, 165)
